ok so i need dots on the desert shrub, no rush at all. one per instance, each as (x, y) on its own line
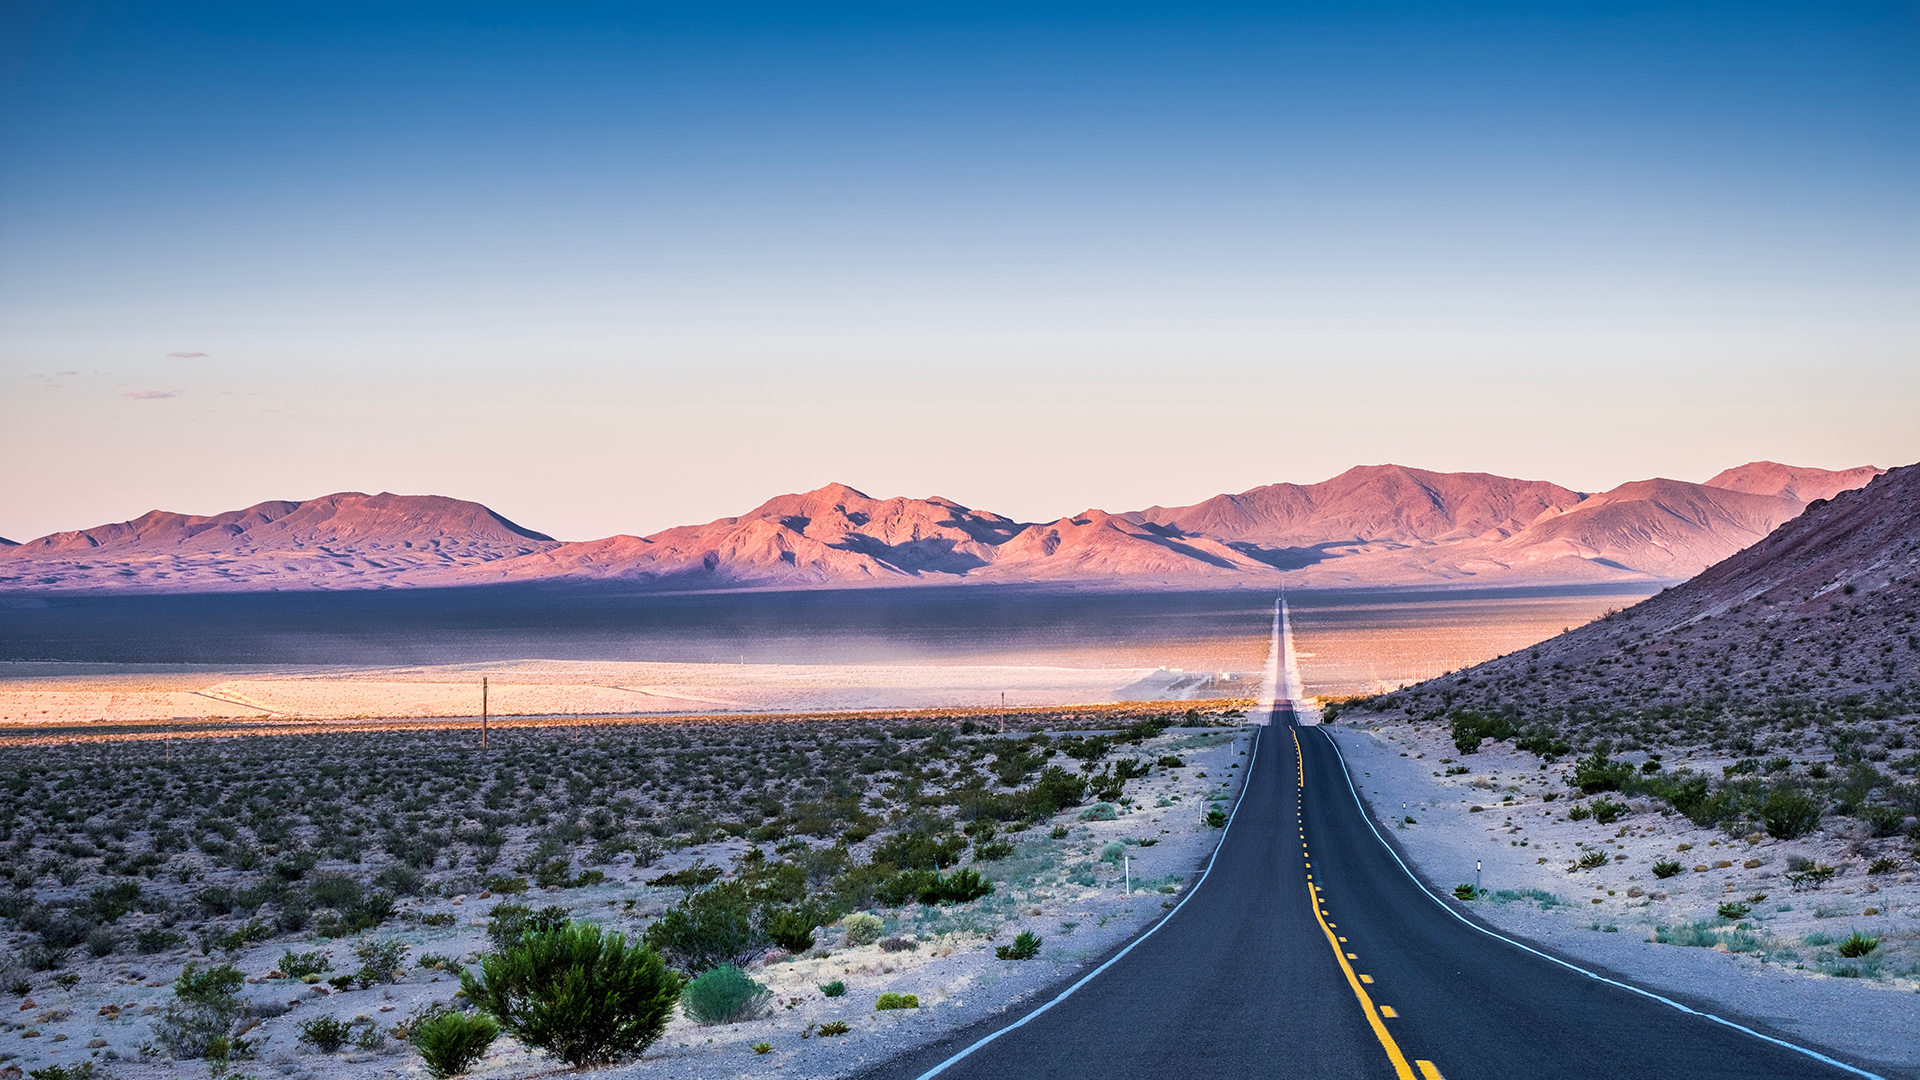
(1100, 811)
(1596, 773)
(1884, 820)
(401, 879)
(450, 1043)
(791, 929)
(1734, 909)
(1666, 868)
(1697, 935)
(102, 942)
(897, 1001)
(1216, 818)
(898, 943)
(1470, 729)
(155, 939)
(928, 887)
(1058, 832)
(300, 965)
(1606, 811)
(724, 995)
(585, 996)
(508, 922)
(834, 989)
(1025, 946)
(835, 1027)
(335, 891)
(862, 928)
(196, 1023)
(919, 850)
(1591, 860)
(1856, 945)
(993, 851)
(379, 961)
(1789, 812)
(438, 918)
(1885, 864)
(79, 1070)
(1579, 812)
(712, 927)
(1056, 790)
(326, 1034)
(1464, 892)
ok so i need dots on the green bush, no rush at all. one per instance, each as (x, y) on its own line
(993, 851)
(1884, 820)
(1606, 811)
(1596, 773)
(1789, 813)
(508, 922)
(1591, 860)
(379, 961)
(202, 1012)
(834, 989)
(1470, 729)
(325, 1033)
(897, 1001)
(1666, 868)
(1100, 811)
(586, 997)
(1578, 812)
(928, 887)
(1856, 945)
(1216, 819)
(1734, 909)
(1056, 790)
(453, 1042)
(791, 929)
(1025, 946)
(919, 850)
(300, 965)
(724, 995)
(1463, 892)
(712, 927)
(862, 928)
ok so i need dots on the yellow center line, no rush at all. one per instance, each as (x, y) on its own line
(1401, 1068)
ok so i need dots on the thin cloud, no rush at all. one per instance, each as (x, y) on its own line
(186, 355)
(152, 395)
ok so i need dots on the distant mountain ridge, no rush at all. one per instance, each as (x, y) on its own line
(1372, 525)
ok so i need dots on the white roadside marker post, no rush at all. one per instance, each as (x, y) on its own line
(1127, 861)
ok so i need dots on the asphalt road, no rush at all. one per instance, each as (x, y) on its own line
(1251, 978)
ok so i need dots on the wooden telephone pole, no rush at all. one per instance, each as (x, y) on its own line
(483, 714)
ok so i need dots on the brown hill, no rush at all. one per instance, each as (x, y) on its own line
(1794, 482)
(1369, 505)
(344, 540)
(1812, 632)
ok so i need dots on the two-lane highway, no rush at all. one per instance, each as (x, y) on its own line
(1308, 950)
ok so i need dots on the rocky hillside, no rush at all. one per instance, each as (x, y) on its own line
(1793, 662)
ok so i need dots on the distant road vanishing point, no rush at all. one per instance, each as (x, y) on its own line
(1309, 949)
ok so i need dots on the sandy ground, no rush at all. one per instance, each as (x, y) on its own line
(45, 693)
(1063, 890)
(1609, 916)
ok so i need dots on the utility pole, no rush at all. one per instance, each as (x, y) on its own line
(483, 714)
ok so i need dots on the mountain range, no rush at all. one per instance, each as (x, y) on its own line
(1373, 525)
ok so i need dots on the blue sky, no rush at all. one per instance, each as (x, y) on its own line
(613, 267)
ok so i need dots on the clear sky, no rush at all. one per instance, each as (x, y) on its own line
(608, 268)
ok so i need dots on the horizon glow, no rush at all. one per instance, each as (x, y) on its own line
(611, 269)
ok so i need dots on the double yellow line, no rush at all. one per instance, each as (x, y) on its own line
(1401, 1068)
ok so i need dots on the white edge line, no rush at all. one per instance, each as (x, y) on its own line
(1089, 976)
(1814, 1054)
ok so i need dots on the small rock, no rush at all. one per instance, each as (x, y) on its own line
(276, 973)
(96, 1044)
(60, 1036)
(1723, 864)
(321, 990)
(1751, 864)
(29, 1004)
(1871, 911)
